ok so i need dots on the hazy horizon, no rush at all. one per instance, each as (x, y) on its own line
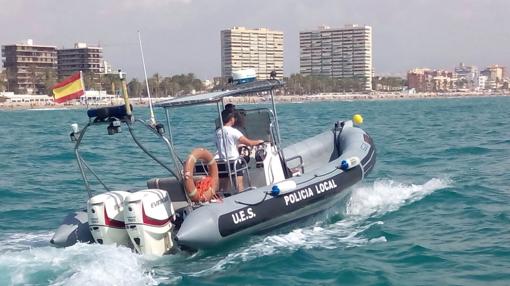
(182, 36)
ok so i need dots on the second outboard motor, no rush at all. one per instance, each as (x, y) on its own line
(149, 215)
(106, 218)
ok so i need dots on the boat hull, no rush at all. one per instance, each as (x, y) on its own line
(211, 225)
(256, 211)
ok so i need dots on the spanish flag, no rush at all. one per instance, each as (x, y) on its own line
(70, 88)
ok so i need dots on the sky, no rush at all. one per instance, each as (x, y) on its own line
(182, 36)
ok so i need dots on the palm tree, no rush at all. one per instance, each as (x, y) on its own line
(135, 88)
(3, 80)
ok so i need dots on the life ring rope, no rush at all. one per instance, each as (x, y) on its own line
(205, 189)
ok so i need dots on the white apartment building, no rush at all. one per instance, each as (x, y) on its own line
(482, 82)
(338, 53)
(259, 49)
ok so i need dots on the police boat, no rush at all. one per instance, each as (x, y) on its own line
(185, 209)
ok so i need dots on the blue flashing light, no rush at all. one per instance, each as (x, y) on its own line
(275, 191)
(344, 165)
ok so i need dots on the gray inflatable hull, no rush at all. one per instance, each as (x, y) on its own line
(74, 228)
(319, 188)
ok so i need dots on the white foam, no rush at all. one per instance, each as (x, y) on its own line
(365, 202)
(387, 195)
(23, 241)
(81, 264)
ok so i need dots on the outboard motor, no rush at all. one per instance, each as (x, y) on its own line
(149, 215)
(106, 218)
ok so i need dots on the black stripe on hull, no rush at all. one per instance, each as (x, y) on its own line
(370, 161)
(285, 204)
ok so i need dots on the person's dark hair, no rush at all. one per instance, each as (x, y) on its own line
(226, 115)
(230, 107)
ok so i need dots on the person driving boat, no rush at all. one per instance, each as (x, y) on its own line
(227, 140)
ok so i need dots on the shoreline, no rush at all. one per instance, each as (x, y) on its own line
(278, 98)
(360, 97)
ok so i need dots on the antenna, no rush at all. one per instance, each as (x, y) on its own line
(152, 119)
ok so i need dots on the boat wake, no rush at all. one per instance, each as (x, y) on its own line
(363, 211)
(28, 258)
(25, 261)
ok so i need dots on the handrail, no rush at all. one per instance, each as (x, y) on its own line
(148, 153)
(301, 162)
(83, 166)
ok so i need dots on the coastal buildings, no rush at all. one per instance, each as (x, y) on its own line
(495, 75)
(417, 80)
(259, 49)
(427, 80)
(29, 67)
(482, 82)
(338, 53)
(83, 58)
(33, 69)
(466, 77)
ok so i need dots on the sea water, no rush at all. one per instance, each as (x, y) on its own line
(434, 211)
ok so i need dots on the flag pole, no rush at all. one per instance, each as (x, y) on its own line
(125, 93)
(84, 89)
(152, 119)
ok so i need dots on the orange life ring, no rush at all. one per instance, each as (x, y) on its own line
(205, 189)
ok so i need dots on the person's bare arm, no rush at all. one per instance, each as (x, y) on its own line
(249, 142)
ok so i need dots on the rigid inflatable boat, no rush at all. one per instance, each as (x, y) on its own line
(281, 185)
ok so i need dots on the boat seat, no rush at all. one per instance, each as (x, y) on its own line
(174, 189)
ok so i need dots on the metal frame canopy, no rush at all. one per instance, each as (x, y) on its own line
(214, 97)
(217, 97)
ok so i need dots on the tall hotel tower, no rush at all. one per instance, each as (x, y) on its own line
(259, 49)
(338, 53)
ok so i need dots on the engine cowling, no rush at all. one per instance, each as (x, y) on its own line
(149, 215)
(106, 218)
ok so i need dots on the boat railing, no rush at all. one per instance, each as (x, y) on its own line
(201, 169)
(114, 126)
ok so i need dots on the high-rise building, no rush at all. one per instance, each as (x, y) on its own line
(259, 49)
(83, 58)
(338, 53)
(29, 67)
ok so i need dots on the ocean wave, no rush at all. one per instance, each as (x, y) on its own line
(465, 150)
(387, 195)
(22, 262)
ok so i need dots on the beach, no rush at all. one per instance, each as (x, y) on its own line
(278, 98)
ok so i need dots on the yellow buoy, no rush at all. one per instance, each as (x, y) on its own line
(357, 119)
